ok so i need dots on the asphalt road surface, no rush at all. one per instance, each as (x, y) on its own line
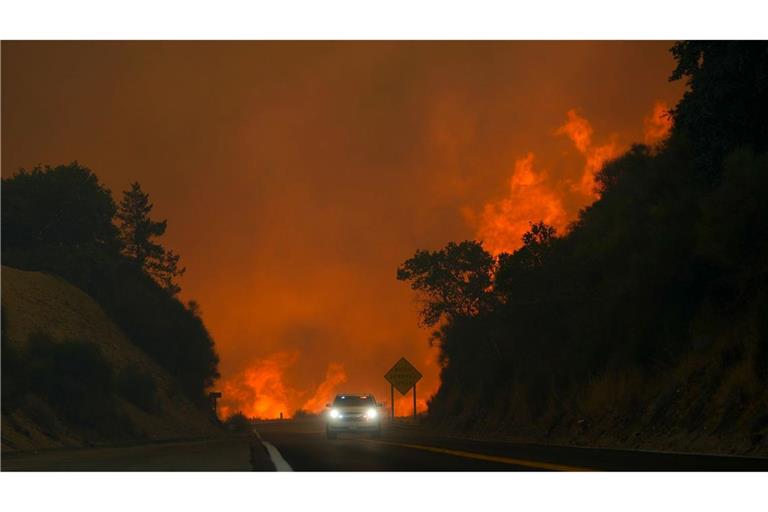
(302, 446)
(221, 454)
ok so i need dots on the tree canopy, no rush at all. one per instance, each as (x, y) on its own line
(454, 280)
(138, 233)
(57, 206)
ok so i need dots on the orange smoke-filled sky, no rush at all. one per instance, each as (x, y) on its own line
(297, 176)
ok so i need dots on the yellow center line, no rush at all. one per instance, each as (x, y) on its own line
(481, 456)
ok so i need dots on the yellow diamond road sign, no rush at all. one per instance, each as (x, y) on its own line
(403, 376)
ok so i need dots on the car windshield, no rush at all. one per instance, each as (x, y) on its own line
(354, 400)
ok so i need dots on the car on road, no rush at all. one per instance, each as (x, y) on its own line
(353, 413)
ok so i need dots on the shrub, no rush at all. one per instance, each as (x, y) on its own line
(70, 380)
(238, 422)
(12, 377)
(74, 377)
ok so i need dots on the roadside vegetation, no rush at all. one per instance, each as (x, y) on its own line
(71, 377)
(63, 221)
(66, 385)
(646, 323)
(239, 423)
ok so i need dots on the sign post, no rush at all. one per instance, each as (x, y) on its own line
(392, 402)
(403, 376)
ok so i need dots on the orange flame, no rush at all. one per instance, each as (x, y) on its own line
(334, 376)
(261, 391)
(533, 196)
(503, 223)
(580, 131)
(596, 157)
(404, 405)
(658, 124)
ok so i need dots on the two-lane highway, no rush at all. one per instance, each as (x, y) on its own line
(301, 445)
(304, 447)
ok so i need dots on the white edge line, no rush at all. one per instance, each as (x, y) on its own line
(274, 455)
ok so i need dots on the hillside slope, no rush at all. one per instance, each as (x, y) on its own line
(39, 303)
(700, 406)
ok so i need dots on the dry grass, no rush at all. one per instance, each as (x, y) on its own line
(35, 302)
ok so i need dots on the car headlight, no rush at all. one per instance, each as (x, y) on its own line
(371, 414)
(334, 413)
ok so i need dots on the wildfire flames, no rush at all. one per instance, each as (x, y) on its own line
(580, 131)
(503, 223)
(404, 404)
(534, 193)
(261, 391)
(534, 196)
(333, 377)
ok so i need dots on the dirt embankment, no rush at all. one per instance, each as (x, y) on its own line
(35, 303)
(711, 402)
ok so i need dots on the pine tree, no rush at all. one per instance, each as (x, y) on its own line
(138, 232)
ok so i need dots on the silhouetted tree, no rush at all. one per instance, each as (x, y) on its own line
(537, 242)
(238, 422)
(62, 206)
(517, 270)
(454, 280)
(138, 232)
(726, 103)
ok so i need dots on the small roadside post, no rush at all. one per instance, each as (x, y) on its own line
(403, 376)
(214, 396)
